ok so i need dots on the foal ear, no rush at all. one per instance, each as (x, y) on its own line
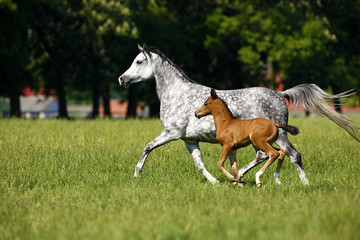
(213, 94)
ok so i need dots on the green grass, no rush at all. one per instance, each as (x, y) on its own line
(74, 180)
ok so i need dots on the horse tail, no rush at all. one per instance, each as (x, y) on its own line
(290, 129)
(311, 97)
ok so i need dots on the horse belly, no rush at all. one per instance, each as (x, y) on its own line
(201, 130)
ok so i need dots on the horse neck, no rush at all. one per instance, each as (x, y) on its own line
(220, 113)
(168, 78)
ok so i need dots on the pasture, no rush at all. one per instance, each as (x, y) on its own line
(74, 180)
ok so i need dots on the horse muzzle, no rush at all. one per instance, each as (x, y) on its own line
(123, 81)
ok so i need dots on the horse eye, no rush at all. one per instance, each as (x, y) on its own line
(206, 104)
(138, 62)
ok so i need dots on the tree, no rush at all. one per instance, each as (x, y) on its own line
(78, 47)
(14, 50)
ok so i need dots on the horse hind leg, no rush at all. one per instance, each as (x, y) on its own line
(295, 157)
(282, 153)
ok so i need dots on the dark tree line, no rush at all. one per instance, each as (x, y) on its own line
(79, 48)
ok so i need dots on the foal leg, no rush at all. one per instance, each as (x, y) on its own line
(224, 154)
(234, 169)
(195, 152)
(260, 157)
(233, 162)
(273, 156)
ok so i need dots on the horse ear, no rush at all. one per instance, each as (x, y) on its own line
(145, 47)
(213, 94)
(140, 48)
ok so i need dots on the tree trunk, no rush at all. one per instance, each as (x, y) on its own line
(106, 102)
(95, 100)
(131, 110)
(15, 103)
(14, 95)
(270, 74)
(62, 100)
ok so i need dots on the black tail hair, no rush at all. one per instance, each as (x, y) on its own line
(290, 129)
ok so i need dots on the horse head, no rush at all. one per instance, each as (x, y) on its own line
(140, 69)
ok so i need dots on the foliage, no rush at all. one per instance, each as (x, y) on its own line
(73, 180)
(83, 46)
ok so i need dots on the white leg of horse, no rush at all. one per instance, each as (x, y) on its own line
(165, 137)
(260, 157)
(195, 152)
(294, 156)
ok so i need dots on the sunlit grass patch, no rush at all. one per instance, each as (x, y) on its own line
(74, 180)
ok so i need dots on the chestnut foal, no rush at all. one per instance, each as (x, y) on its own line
(235, 133)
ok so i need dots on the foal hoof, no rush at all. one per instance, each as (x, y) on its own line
(241, 180)
(239, 184)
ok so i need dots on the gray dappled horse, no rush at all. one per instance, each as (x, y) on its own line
(180, 96)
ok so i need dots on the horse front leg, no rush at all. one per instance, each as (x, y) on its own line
(165, 137)
(195, 152)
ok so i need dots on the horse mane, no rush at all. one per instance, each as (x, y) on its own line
(176, 67)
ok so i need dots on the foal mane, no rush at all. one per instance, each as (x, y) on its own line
(176, 67)
(227, 107)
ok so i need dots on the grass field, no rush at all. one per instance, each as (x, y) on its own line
(74, 180)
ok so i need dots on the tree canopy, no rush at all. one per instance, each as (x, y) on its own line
(79, 48)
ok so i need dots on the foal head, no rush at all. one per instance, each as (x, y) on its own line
(208, 106)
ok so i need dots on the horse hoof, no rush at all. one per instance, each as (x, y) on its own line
(277, 180)
(258, 184)
(214, 182)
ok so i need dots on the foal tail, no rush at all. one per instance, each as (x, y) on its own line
(314, 98)
(290, 129)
